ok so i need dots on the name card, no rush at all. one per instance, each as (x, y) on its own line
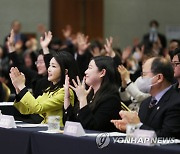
(73, 129)
(7, 121)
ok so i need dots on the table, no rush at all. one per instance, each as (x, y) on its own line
(30, 141)
(53, 143)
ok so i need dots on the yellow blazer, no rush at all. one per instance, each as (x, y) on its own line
(50, 103)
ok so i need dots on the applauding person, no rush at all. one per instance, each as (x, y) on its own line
(52, 100)
(100, 102)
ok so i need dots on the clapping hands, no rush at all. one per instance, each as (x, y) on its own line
(17, 78)
(79, 89)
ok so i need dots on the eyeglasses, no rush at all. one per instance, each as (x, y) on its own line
(175, 64)
(39, 62)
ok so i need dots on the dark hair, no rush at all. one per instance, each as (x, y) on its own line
(154, 22)
(94, 44)
(66, 61)
(176, 52)
(163, 66)
(175, 40)
(110, 80)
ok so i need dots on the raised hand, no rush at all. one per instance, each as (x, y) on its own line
(125, 75)
(67, 31)
(67, 93)
(17, 78)
(82, 43)
(126, 53)
(81, 91)
(10, 42)
(45, 41)
(108, 47)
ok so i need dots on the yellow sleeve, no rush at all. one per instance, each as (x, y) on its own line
(45, 103)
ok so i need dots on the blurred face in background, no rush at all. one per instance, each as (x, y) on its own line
(16, 26)
(176, 66)
(40, 64)
(28, 61)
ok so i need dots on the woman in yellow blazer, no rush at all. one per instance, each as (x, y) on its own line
(52, 100)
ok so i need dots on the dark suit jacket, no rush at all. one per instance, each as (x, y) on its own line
(165, 116)
(99, 117)
(161, 37)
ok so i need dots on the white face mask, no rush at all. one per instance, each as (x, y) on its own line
(153, 30)
(137, 56)
(144, 84)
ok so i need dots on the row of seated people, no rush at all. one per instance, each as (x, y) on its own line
(97, 108)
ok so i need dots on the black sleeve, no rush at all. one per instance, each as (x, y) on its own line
(47, 58)
(21, 94)
(68, 114)
(117, 60)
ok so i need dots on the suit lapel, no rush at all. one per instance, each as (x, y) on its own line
(161, 104)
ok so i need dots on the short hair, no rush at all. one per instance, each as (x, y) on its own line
(154, 22)
(163, 66)
(176, 52)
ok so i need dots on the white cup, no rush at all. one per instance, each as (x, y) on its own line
(53, 123)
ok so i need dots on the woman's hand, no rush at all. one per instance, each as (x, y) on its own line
(45, 42)
(67, 93)
(17, 78)
(108, 47)
(80, 91)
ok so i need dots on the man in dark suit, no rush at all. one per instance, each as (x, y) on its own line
(161, 111)
(153, 35)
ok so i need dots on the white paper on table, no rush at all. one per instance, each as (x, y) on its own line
(18, 121)
(110, 134)
(6, 104)
(31, 125)
(51, 132)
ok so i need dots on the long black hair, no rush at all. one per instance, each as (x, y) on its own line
(109, 83)
(66, 62)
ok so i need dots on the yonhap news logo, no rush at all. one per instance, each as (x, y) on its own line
(102, 140)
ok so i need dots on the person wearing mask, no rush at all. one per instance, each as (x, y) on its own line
(161, 111)
(154, 36)
(129, 91)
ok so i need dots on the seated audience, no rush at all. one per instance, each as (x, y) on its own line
(37, 80)
(161, 111)
(98, 104)
(52, 100)
(129, 91)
